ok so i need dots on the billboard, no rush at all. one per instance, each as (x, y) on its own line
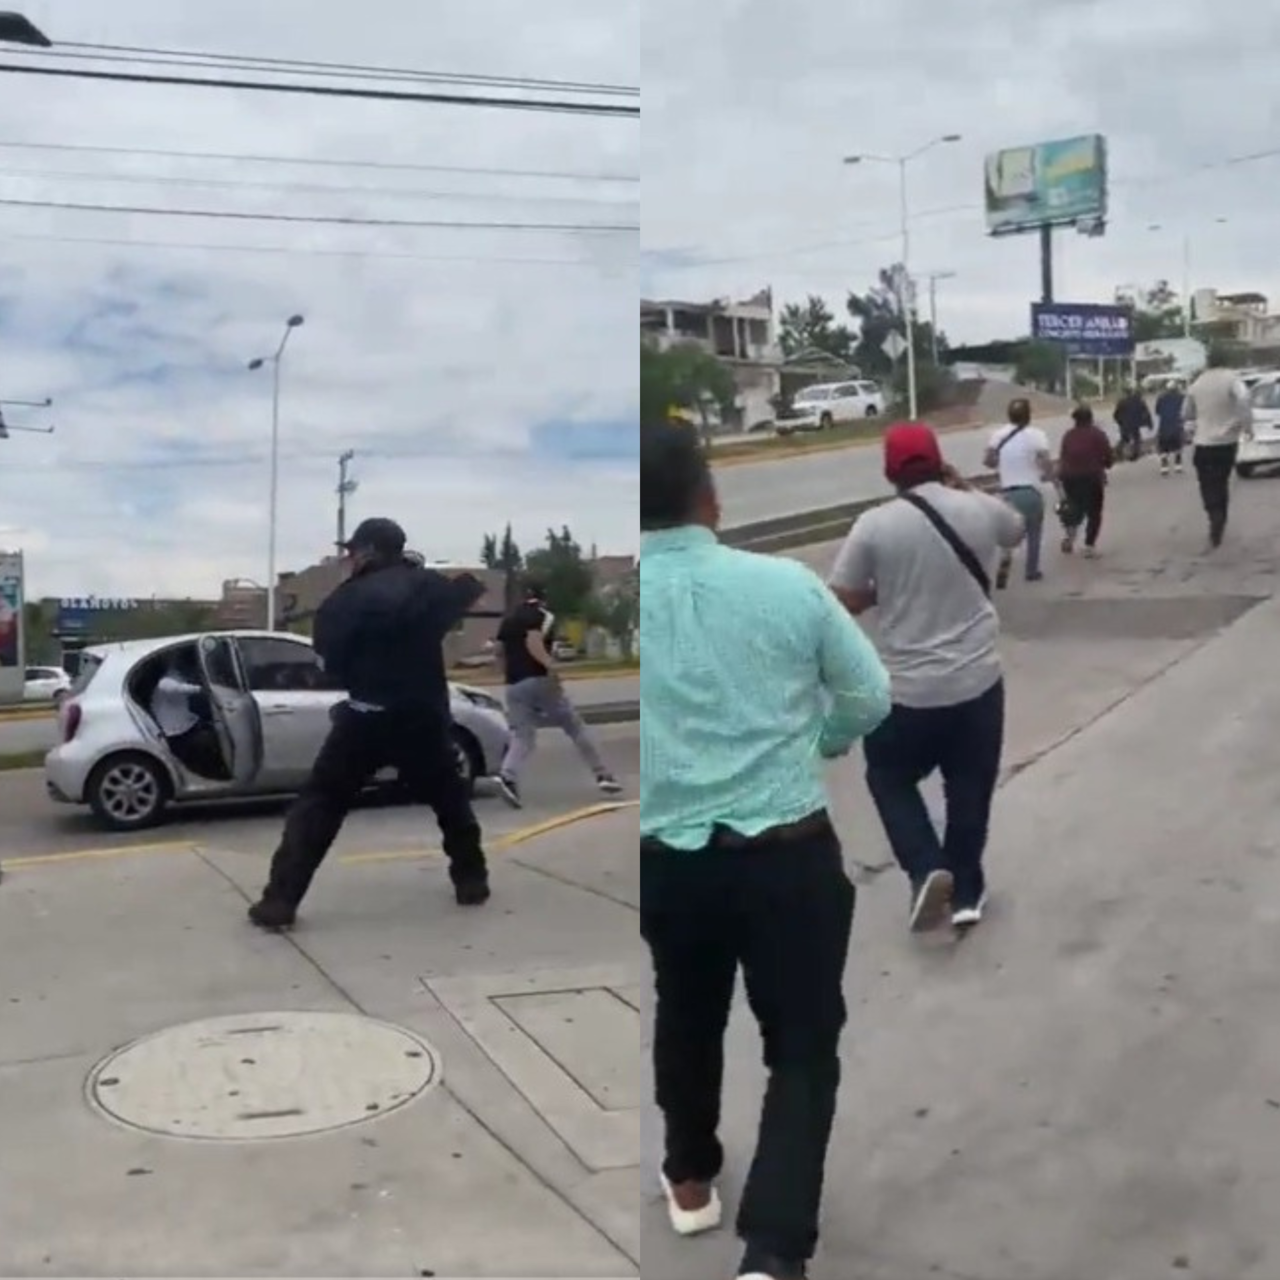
(1055, 184)
(1084, 328)
(12, 656)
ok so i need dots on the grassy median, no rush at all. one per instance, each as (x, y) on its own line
(13, 760)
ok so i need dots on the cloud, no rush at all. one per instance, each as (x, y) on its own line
(751, 106)
(481, 376)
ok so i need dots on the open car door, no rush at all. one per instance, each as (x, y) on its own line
(235, 714)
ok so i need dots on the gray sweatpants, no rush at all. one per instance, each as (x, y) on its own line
(542, 703)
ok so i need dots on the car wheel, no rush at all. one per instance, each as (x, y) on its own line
(128, 792)
(826, 422)
(872, 411)
(467, 754)
(1244, 470)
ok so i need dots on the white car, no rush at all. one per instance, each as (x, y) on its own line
(829, 404)
(45, 684)
(1260, 446)
(268, 699)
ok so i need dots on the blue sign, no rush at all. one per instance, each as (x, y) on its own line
(1084, 328)
(80, 615)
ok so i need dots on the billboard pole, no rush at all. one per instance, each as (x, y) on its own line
(1046, 262)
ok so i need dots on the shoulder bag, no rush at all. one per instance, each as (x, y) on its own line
(964, 553)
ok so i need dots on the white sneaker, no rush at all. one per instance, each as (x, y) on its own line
(967, 917)
(693, 1222)
(933, 898)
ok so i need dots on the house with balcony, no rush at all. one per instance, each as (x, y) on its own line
(1243, 317)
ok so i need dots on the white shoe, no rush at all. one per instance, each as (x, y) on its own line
(967, 917)
(693, 1222)
(933, 898)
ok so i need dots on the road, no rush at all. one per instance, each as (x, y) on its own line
(31, 826)
(781, 487)
(39, 735)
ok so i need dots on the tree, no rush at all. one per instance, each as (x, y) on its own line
(567, 577)
(879, 313)
(504, 554)
(1039, 364)
(810, 326)
(684, 377)
(1157, 311)
(617, 610)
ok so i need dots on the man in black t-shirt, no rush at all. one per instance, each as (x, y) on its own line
(535, 696)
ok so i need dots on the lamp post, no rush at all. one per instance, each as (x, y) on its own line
(1186, 273)
(6, 427)
(905, 300)
(273, 514)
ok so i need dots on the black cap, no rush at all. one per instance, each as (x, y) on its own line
(378, 535)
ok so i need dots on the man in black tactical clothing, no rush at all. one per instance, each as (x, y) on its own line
(381, 637)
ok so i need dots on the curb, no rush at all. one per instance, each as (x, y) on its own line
(835, 446)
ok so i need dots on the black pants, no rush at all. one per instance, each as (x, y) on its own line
(1170, 444)
(1131, 443)
(964, 743)
(201, 751)
(783, 910)
(1086, 496)
(1214, 464)
(360, 744)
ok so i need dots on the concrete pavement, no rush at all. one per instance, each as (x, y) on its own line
(463, 1086)
(41, 733)
(785, 486)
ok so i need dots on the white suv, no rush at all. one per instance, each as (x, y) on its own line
(826, 405)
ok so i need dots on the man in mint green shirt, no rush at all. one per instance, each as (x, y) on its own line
(752, 675)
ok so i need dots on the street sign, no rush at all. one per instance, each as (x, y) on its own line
(895, 345)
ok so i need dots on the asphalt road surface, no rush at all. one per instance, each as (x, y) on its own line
(784, 486)
(557, 781)
(39, 735)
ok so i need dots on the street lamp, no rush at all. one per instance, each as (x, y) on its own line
(274, 500)
(6, 428)
(933, 278)
(1186, 273)
(905, 300)
(15, 28)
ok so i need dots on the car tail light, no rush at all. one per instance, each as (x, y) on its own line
(71, 718)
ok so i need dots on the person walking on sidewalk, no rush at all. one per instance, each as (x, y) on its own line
(1020, 454)
(1133, 417)
(1084, 459)
(1171, 429)
(1219, 411)
(381, 638)
(753, 674)
(923, 560)
(536, 698)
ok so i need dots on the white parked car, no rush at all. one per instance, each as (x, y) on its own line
(829, 404)
(1260, 447)
(45, 684)
(269, 701)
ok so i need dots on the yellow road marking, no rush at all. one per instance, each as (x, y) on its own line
(110, 851)
(522, 835)
(508, 841)
(17, 717)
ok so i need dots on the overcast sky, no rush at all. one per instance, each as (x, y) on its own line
(480, 376)
(750, 105)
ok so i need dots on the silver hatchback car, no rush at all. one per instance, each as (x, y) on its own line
(264, 703)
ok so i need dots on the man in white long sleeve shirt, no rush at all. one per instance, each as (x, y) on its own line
(174, 708)
(1219, 411)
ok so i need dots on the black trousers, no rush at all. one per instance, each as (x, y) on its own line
(963, 742)
(1087, 497)
(783, 910)
(1214, 464)
(1131, 443)
(360, 744)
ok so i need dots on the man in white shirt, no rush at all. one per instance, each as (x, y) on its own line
(1219, 411)
(923, 560)
(190, 736)
(1021, 455)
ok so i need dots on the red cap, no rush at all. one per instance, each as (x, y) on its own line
(910, 447)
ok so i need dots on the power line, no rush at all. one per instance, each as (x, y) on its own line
(311, 188)
(141, 52)
(116, 243)
(319, 162)
(317, 219)
(554, 106)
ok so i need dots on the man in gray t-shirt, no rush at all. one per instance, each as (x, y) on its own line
(924, 561)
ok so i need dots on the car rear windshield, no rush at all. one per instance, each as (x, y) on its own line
(1267, 395)
(89, 666)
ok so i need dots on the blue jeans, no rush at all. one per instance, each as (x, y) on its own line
(1029, 504)
(962, 742)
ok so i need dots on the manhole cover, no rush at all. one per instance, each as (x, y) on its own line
(273, 1075)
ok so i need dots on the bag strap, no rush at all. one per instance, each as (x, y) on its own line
(1022, 426)
(964, 553)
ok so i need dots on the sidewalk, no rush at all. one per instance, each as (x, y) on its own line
(464, 1083)
(1089, 1085)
